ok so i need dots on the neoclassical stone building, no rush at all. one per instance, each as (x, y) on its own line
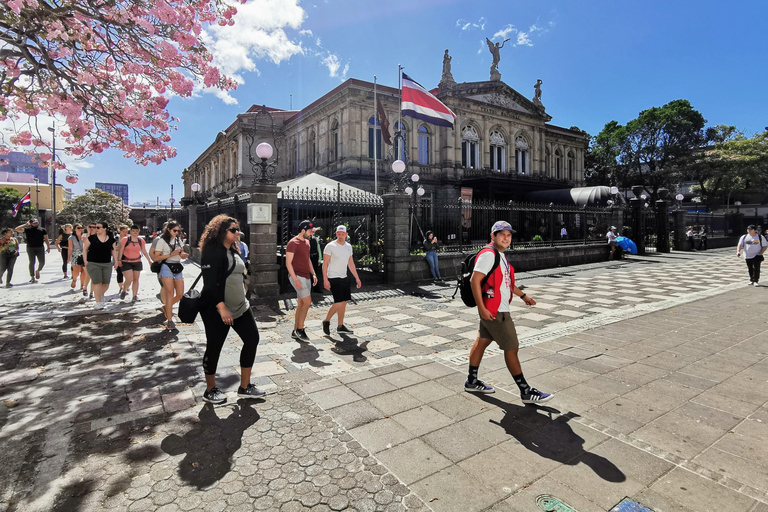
(502, 146)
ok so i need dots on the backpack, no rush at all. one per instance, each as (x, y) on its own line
(464, 286)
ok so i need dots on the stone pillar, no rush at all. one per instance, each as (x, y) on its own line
(678, 222)
(263, 272)
(396, 239)
(662, 226)
(638, 224)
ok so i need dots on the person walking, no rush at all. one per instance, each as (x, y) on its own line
(129, 254)
(563, 233)
(242, 251)
(99, 257)
(303, 276)
(62, 244)
(170, 252)
(612, 235)
(223, 305)
(122, 232)
(493, 296)
(35, 236)
(90, 230)
(691, 240)
(75, 259)
(754, 245)
(316, 257)
(703, 238)
(9, 251)
(430, 247)
(337, 259)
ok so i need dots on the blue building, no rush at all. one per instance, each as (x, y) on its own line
(118, 189)
(21, 163)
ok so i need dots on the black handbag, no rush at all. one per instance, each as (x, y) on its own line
(175, 268)
(155, 266)
(189, 305)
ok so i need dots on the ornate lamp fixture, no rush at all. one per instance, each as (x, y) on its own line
(263, 123)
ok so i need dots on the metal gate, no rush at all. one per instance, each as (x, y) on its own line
(362, 213)
(235, 207)
(643, 228)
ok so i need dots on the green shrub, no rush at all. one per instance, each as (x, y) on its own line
(537, 238)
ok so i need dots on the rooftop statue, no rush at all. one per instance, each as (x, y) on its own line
(494, 48)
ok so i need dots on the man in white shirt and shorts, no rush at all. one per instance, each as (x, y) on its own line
(337, 258)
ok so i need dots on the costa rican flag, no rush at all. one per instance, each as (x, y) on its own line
(24, 201)
(420, 104)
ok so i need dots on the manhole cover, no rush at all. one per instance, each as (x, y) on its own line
(549, 503)
(627, 505)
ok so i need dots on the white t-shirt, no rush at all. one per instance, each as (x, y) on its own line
(163, 248)
(339, 255)
(563, 232)
(611, 236)
(752, 245)
(483, 264)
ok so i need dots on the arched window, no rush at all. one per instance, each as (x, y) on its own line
(334, 140)
(423, 145)
(558, 165)
(400, 142)
(571, 165)
(498, 151)
(470, 148)
(522, 161)
(374, 138)
(312, 149)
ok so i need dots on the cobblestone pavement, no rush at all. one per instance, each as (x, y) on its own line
(101, 411)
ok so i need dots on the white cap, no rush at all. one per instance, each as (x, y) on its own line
(342, 228)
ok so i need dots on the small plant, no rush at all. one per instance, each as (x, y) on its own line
(537, 238)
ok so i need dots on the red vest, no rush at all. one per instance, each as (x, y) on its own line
(495, 282)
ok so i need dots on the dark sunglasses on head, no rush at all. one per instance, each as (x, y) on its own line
(233, 230)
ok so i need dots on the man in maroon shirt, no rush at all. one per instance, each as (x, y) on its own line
(302, 276)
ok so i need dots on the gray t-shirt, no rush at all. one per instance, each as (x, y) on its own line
(752, 245)
(234, 291)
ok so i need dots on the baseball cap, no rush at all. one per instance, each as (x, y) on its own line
(305, 224)
(342, 228)
(33, 220)
(502, 225)
(751, 226)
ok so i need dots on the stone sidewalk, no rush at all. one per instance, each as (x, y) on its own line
(664, 404)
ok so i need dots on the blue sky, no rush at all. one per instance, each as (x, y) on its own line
(599, 61)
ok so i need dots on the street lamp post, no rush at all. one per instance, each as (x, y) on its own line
(52, 173)
(266, 168)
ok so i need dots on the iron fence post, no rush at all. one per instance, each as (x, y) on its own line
(461, 225)
(551, 224)
(585, 225)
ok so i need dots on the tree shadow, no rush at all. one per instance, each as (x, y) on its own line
(551, 436)
(348, 346)
(210, 445)
(309, 354)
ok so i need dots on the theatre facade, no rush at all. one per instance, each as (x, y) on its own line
(502, 146)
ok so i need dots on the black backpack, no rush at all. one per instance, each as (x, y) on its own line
(464, 286)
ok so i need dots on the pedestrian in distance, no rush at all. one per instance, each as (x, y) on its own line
(302, 276)
(691, 241)
(223, 305)
(169, 252)
(99, 257)
(36, 237)
(129, 254)
(337, 258)
(62, 245)
(612, 235)
(754, 245)
(563, 233)
(122, 232)
(493, 299)
(431, 246)
(75, 259)
(9, 251)
(703, 238)
(89, 231)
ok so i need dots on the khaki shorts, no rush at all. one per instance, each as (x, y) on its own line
(100, 273)
(502, 331)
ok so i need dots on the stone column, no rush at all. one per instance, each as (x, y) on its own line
(396, 239)
(193, 233)
(680, 228)
(263, 272)
(662, 226)
(638, 224)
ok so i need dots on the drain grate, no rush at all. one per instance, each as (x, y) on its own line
(627, 505)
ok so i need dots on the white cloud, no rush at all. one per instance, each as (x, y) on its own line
(523, 39)
(331, 61)
(504, 33)
(464, 25)
(344, 72)
(305, 32)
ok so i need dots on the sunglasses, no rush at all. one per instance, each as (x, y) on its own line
(174, 231)
(233, 230)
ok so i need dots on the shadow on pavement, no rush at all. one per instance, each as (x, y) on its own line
(308, 353)
(211, 443)
(551, 438)
(349, 346)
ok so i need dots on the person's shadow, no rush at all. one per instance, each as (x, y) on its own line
(551, 438)
(211, 443)
(348, 346)
(308, 353)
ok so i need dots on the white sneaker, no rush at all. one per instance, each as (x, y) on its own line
(755, 284)
(99, 305)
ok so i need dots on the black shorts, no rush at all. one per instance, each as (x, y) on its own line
(340, 288)
(134, 266)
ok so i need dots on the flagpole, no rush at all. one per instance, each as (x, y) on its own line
(375, 143)
(400, 109)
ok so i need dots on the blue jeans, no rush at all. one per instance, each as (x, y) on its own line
(432, 260)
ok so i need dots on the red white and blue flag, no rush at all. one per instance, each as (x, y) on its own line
(420, 104)
(24, 201)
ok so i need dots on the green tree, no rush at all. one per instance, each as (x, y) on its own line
(8, 198)
(749, 155)
(601, 163)
(95, 206)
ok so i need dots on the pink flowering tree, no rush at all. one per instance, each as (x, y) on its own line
(104, 69)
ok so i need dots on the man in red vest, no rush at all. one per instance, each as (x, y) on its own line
(493, 299)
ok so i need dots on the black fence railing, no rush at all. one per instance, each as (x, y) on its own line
(716, 224)
(235, 207)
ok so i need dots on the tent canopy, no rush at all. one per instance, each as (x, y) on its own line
(590, 196)
(316, 182)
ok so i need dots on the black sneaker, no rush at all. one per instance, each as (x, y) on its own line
(343, 328)
(250, 391)
(295, 334)
(326, 328)
(33, 280)
(214, 396)
(478, 387)
(534, 396)
(302, 334)
(123, 295)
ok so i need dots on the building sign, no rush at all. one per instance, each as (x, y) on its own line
(259, 213)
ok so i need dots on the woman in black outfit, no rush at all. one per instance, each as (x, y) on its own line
(224, 305)
(62, 244)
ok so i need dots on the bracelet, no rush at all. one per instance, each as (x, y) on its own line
(523, 296)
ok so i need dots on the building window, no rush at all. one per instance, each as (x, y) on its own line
(558, 165)
(498, 152)
(571, 166)
(312, 148)
(374, 130)
(423, 145)
(522, 161)
(470, 146)
(334, 141)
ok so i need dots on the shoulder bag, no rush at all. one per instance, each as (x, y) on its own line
(189, 305)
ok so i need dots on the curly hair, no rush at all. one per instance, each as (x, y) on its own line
(216, 230)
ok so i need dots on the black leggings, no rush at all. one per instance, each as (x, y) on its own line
(64, 257)
(753, 265)
(216, 333)
(6, 266)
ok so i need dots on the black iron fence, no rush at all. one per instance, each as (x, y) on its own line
(361, 213)
(235, 207)
(715, 224)
(465, 226)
